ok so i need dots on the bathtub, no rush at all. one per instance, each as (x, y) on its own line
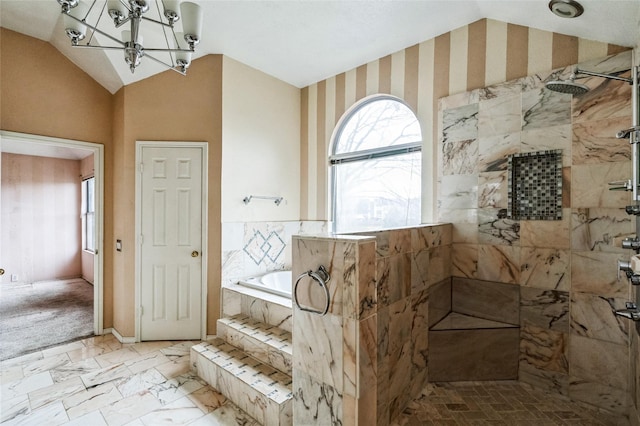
(277, 282)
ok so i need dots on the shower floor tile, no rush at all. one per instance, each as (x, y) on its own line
(498, 403)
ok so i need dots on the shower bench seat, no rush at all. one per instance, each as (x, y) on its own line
(474, 333)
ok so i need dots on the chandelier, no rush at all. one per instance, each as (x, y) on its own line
(179, 45)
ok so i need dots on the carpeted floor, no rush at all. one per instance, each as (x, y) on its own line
(36, 316)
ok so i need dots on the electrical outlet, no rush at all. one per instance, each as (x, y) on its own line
(14, 278)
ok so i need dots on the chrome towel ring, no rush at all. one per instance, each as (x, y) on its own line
(322, 277)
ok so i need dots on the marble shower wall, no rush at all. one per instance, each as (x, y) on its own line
(364, 361)
(255, 248)
(571, 341)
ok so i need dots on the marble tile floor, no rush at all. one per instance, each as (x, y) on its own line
(99, 381)
(505, 403)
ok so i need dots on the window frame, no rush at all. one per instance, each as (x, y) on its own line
(88, 210)
(367, 154)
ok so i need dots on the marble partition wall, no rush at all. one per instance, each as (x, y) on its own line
(255, 248)
(364, 361)
(571, 341)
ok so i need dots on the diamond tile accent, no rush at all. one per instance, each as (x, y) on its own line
(260, 248)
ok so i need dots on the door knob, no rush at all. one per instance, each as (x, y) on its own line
(194, 253)
(1, 271)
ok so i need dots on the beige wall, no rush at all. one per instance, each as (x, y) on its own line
(43, 93)
(147, 111)
(41, 232)
(261, 145)
(482, 53)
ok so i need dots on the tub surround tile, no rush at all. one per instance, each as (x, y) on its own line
(466, 233)
(596, 142)
(439, 265)
(506, 89)
(264, 342)
(597, 228)
(599, 362)
(430, 236)
(547, 309)
(566, 187)
(545, 268)
(393, 278)
(594, 317)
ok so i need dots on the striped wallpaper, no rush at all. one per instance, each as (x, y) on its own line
(474, 56)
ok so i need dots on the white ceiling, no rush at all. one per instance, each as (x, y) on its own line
(304, 41)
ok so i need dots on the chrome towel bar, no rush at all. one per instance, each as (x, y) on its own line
(276, 200)
(322, 277)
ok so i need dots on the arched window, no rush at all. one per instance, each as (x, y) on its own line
(376, 167)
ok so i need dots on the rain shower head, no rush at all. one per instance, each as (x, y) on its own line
(567, 86)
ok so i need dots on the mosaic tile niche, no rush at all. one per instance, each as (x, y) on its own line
(535, 186)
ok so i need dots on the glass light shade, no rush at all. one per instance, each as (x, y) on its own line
(182, 44)
(191, 18)
(173, 5)
(80, 12)
(117, 5)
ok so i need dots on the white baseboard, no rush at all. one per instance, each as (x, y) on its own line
(118, 336)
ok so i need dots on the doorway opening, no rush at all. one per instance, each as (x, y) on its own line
(43, 246)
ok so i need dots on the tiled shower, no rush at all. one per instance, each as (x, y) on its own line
(571, 342)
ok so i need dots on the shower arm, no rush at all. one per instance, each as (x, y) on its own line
(602, 75)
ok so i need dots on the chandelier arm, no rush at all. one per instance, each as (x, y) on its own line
(159, 49)
(164, 63)
(96, 29)
(156, 21)
(93, 46)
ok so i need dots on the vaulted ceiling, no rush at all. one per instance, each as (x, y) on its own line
(302, 42)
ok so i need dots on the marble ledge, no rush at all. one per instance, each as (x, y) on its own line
(355, 237)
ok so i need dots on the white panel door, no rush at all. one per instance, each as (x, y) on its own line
(171, 243)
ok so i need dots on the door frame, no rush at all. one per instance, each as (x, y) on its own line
(204, 146)
(98, 165)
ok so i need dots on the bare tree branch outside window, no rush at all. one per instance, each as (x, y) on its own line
(383, 191)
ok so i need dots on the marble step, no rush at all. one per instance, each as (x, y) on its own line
(256, 388)
(265, 307)
(267, 343)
